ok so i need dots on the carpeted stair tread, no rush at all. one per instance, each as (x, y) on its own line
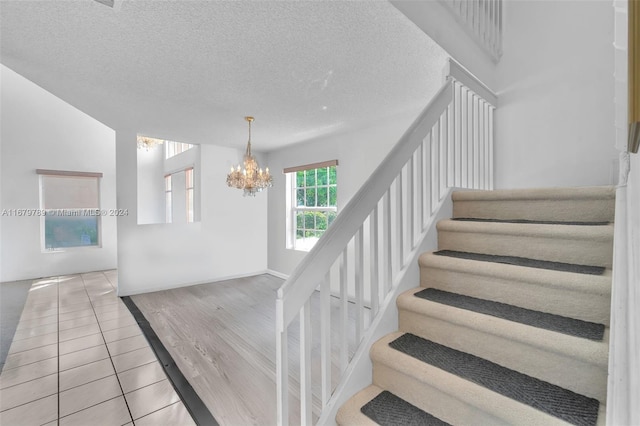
(551, 399)
(560, 324)
(387, 409)
(533, 222)
(525, 262)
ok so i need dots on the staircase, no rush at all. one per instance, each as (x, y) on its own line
(510, 324)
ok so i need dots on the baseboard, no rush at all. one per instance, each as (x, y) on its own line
(277, 274)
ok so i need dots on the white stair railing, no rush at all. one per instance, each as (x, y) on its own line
(338, 287)
(483, 19)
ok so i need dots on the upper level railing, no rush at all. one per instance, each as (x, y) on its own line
(483, 18)
(338, 288)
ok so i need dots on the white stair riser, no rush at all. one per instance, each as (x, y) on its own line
(570, 373)
(539, 296)
(592, 252)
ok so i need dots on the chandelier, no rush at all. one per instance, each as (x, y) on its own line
(252, 179)
(148, 143)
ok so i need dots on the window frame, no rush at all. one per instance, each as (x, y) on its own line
(293, 209)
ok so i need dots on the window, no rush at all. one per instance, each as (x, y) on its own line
(179, 189)
(174, 148)
(189, 193)
(312, 203)
(70, 202)
(167, 198)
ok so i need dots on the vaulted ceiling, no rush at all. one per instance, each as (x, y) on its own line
(191, 70)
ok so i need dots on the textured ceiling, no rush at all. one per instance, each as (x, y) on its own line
(191, 70)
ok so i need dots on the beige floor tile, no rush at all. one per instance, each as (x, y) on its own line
(27, 357)
(82, 357)
(121, 333)
(75, 307)
(175, 414)
(133, 359)
(77, 322)
(77, 332)
(151, 398)
(37, 322)
(123, 346)
(28, 392)
(26, 373)
(117, 323)
(33, 342)
(110, 308)
(120, 313)
(34, 413)
(105, 301)
(71, 299)
(33, 314)
(84, 374)
(112, 412)
(88, 395)
(26, 333)
(142, 376)
(76, 314)
(41, 304)
(82, 343)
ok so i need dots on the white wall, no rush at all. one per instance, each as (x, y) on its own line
(358, 153)
(40, 131)
(151, 197)
(230, 239)
(555, 121)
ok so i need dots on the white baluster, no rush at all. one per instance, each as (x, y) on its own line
(344, 312)
(306, 408)
(359, 269)
(325, 336)
(411, 236)
(399, 224)
(374, 266)
(386, 241)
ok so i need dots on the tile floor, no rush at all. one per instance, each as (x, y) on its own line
(79, 358)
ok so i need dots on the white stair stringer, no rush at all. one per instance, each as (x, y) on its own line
(573, 363)
(582, 204)
(447, 396)
(581, 296)
(576, 244)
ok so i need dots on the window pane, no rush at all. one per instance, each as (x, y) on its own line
(70, 231)
(300, 179)
(190, 205)
(189, 178)
(168, 206)
(300, 198)
(299, 220)
(322, 197)
(322, 176)
(333, 197)
(167, 183)
(333, 179)
(331, 217)
(321, 222)
(309, 220)
(310, 199)
(310, 177)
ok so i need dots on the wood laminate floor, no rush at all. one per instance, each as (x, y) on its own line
(222, 337)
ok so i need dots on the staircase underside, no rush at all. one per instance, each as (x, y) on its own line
(510, 324)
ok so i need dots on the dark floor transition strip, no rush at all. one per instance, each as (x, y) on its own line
(386, 409)
(560, 324)
(523, 261)
(551, 399)
(189, 397)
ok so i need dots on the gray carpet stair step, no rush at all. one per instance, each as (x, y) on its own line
(548, 398)
(521, 261)
(387, 409)
(557, 323)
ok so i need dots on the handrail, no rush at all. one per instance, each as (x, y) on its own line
(333, 241)
(449, 144)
